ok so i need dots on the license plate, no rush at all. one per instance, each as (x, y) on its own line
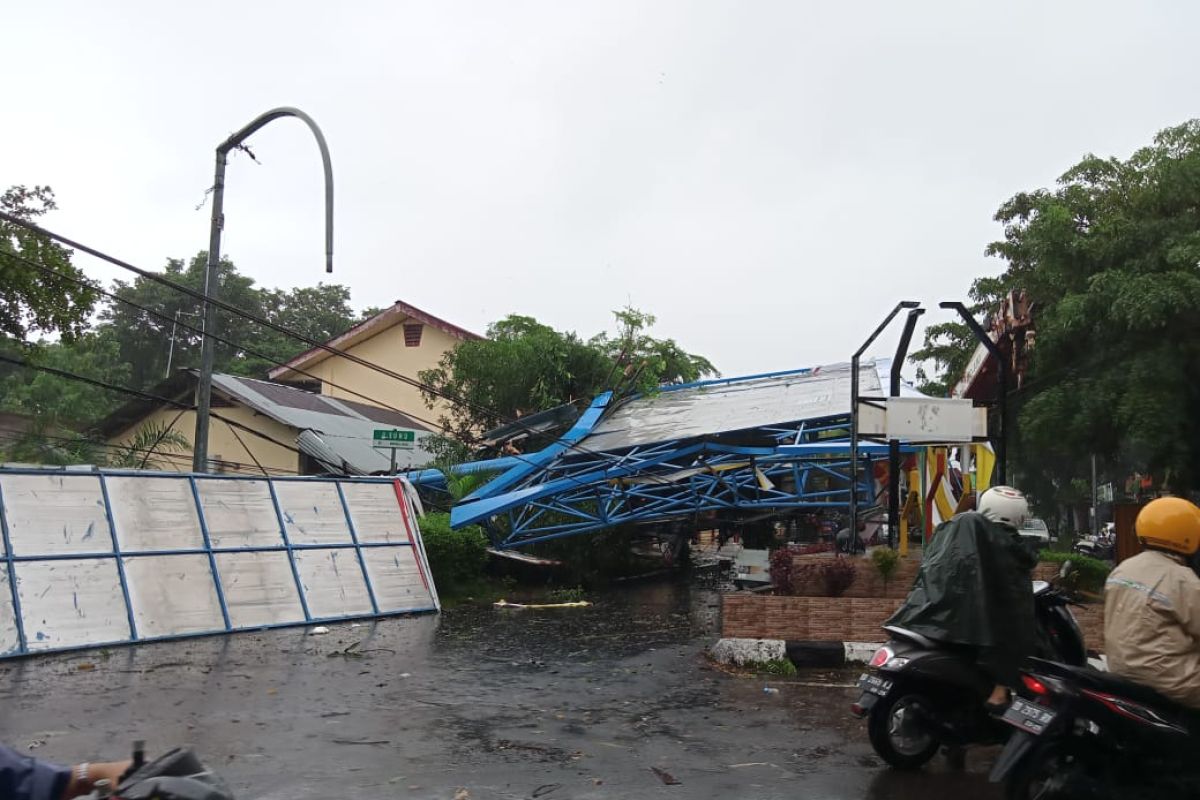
(1028, 716)
(873, 684)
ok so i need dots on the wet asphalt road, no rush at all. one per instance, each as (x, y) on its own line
(613, 701)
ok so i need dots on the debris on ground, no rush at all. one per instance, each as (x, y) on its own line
(521, 606)
(318, 631)
(666, 777)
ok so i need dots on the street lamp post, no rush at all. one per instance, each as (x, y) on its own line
(1002, 368)
(854, 361)
(211, 277)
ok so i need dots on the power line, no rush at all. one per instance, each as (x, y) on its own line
(14, 435)
(313, 343)
(20, 362)
(282, 329)
(244, 348)
(515, 422)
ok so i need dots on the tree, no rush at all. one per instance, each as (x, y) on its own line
(151, 439)
(145, 340)
(30, 300)
(1110, 257)
(320, 313)
(60, 401)
(524, 366)
(646, 362)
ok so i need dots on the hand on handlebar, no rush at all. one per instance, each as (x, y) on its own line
(85, 776)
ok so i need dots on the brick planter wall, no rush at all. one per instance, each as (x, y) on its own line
(839, 619)
(867, 583)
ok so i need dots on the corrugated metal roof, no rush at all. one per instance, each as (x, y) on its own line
(736, 404)
(338, 433)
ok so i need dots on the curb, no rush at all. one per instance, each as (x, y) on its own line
(809, 654)
(800, 653)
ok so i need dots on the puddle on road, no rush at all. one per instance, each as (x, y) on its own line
(620, 622)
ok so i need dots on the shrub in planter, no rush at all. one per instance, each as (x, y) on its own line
(454, 556)
(886, 562)
(1091, 573)
(831, 578)
(781, 570)
(837, 576)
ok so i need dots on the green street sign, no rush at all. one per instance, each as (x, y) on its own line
(393, 435)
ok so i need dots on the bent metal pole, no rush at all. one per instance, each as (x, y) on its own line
(211, 274)
(909, 304)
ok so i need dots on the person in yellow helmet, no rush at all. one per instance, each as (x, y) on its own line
(1152, 604)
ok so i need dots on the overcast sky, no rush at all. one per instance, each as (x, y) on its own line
(767, 178)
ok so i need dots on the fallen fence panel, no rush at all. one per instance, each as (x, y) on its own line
(103, 557)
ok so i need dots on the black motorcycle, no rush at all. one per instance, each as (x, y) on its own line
(1088, 735)
(177, 775)
(924, 695)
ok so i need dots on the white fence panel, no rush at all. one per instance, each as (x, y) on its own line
(50, 514)
(154, 514)
(333, 582)
(313, 513)
(112, 557)
(173, 595)
(69, 603)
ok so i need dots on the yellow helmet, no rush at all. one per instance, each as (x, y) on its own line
(1169, 523)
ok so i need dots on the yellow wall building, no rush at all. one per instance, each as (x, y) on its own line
(401, 338)
(298, 423)
(259, 427)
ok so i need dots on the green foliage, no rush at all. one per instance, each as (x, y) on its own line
(886, 562)
(646, 362)
(566, 594)
(1109, 256)
(319, 312)
(53, 399)
(1091, 572)
(456, 557)
(592, 559)
(138, 452)
(30, 300)
(45, 442)
(776, 666)
(524, 367)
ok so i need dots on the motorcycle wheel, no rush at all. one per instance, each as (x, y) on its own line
(1041, 776)
(897, 733)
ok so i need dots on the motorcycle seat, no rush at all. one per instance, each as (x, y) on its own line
(1121, 687)
(914, 637)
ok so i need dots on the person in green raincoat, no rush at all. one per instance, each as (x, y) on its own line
(974, 588)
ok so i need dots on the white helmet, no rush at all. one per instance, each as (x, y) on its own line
(1005, 505)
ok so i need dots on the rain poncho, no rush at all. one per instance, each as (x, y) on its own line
(974, 588)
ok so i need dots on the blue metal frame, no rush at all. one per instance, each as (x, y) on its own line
(567, 490)
(208, 549)
(11, 560)
(291, 557)
(362, 564)
(112, 529)
(12, 575)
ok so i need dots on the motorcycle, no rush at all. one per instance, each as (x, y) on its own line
(924, 695)
(176, 775)
(1087, 735)
(1101, 546)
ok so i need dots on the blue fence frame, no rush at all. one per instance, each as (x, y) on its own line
(11, 560)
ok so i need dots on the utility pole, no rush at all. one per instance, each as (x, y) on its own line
(1095, 527)
(212, 277)
(171, 349)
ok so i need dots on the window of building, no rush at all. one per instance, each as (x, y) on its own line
(412, 334)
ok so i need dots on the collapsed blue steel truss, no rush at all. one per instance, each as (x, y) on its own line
(569, 488)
